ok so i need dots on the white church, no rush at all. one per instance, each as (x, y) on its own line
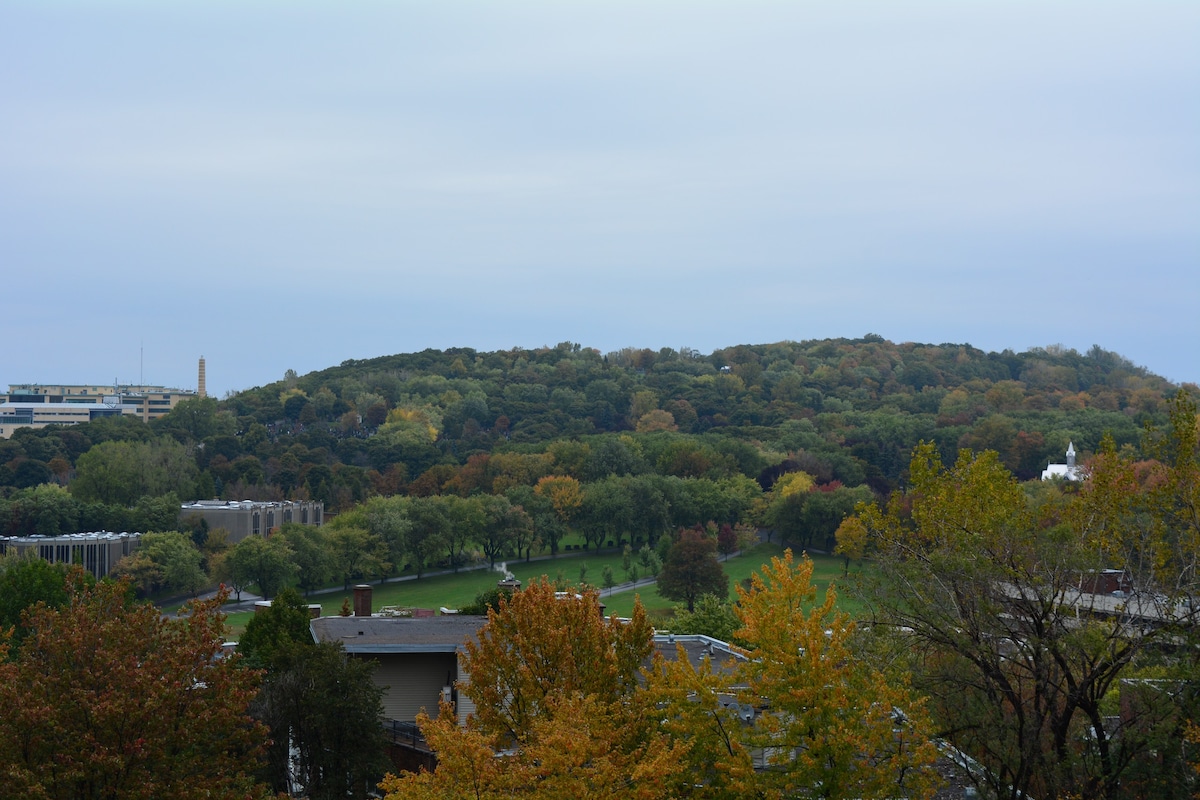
(1068, 471)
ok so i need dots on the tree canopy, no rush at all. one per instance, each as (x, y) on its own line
(556, 687)
(1054, 685)
(821, 723)
(691, 569)
(107, 698)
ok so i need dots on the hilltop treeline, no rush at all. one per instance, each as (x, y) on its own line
(846, 412)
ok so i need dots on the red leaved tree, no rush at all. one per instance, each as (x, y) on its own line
(108, 698)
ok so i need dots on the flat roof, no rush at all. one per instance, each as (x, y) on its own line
(92, 536)
(449, 632)
(438, 634)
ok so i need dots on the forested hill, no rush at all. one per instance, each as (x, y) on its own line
(847, 412)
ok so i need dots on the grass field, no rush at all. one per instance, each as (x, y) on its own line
(458, 589)
(826, 570)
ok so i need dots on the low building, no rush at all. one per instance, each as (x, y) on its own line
(40, 414)
(244, 518)
(418, 657)
(34, 405)
(418, 654)
(96, 552)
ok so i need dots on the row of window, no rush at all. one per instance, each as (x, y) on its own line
(92, 556)
(287, 517)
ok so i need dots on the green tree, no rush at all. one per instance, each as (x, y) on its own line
(649, 560)
(110, 699)
(357, 555)
(323, 709)
(175, 560)
(465, 518)
(387, 518)
(311, 552)
(50, 510)
(505, 528)
(156, 513)
(545, 527)
(272, 633)
(196, 419)
(24, 582)
(691, 569)
(650, 511)
(428, 533)
(714, 616)
(122, 473)
(267, 562)
(606, 513)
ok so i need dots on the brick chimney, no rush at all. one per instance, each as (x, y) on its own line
(362, 600)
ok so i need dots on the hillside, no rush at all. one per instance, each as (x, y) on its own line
(847, 412)
(849, 409)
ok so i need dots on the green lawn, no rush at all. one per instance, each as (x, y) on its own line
(455, 590)
(826, 570)
(458, 589)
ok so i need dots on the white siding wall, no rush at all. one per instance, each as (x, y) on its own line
(412, 681)
(466, 706)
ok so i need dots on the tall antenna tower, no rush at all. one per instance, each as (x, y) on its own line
(200, 390)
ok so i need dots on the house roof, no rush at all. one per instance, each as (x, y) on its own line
(381, 635)
(448, 633)
(697, 647)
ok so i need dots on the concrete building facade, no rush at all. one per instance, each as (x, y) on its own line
(40, 414)
(34, 405)
(97, 552)
(244, 518)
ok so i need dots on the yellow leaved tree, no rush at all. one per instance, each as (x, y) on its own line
(800, 716)
(559, 713)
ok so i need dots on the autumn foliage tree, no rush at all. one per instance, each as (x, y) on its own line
(541, 644)
(108, 698)
(825, 724)
(1024, 660)
(558, 709)
(566, 497)
(691, 569)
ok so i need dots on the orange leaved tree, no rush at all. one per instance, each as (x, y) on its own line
(559, 713)
(108, 698)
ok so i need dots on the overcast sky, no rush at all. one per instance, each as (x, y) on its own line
(290, 185)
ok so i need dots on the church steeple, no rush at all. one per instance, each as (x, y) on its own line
(1071, 457)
